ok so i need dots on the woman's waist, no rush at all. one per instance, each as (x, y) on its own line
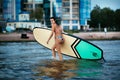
(59, 36)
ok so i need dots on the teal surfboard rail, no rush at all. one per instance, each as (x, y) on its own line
(88, 51)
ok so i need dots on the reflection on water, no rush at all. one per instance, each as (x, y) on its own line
(59, 70)
(31, 61)
(69, 69)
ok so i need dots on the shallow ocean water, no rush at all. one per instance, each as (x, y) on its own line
(31, 61)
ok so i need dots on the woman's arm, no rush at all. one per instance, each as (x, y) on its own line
(51, 34)
(50, 37)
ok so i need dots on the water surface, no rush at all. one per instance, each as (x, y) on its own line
(31, 61)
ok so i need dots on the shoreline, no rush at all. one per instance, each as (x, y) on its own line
(16, 37)
(98, 35)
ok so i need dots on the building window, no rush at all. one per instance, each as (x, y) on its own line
(75, 16)
(38, 0)
(66, 4)
(67, 16)
(75, 10)
(26, 26)
(9, 24)
(30, 6)
(37, 5)
(66, 10)
(65, 0)
(74, 21)
(30, 26)
(21, 25)
(74, 27)
(30, 0)
(21, 15)
(58, 0)
(66, 27)
(66, 21)
(14, 25)
(75, 5)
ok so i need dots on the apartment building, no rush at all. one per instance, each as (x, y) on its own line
(11, 9)
(73, 13)
(70, 14)
(30, 5)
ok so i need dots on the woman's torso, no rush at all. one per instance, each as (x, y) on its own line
(58, 34)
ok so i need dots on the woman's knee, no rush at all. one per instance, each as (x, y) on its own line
(53, 48)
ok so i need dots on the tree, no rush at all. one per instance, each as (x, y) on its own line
(117, 19)
(107, 17)
(95, 16)
(37, 14)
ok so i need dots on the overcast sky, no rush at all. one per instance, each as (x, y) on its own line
(113, 4)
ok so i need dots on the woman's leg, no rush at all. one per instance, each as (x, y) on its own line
(59, 51)
(53, 51)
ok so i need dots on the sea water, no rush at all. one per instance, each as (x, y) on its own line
(31, 61)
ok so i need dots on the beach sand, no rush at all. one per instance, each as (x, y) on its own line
(16, 37)
(98, 35)
(4, 37)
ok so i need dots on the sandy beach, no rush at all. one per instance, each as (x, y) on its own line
(98, 35)
(4, 37)
(15, 37)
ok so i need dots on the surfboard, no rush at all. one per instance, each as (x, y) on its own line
(73, 46)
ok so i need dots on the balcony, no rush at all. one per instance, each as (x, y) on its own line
(65, 0)
(37, 2)
(28, 9)
(28, 2)
(75, 1)
(75, 5)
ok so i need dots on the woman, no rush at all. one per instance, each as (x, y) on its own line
(59, 40)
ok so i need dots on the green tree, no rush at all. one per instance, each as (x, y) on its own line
(107, 18)
(95, 16)
(37, 14)
(117, 19)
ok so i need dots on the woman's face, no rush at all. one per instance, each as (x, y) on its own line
(52, 21)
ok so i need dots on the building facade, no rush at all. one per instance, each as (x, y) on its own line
(74, 13)
(85, 8)
(16, 17)
(70, 14)
(30, 5)
(46, 16)
(1, 9)
(11, 9)
(22, 24)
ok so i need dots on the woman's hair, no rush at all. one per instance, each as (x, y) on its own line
(53, 18)
(57, 20)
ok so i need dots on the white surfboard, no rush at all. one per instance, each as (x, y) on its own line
(73, 46)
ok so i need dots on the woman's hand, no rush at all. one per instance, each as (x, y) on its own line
(47, 42)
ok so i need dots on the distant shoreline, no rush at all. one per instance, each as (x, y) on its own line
(16, 37)
(99, 35)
